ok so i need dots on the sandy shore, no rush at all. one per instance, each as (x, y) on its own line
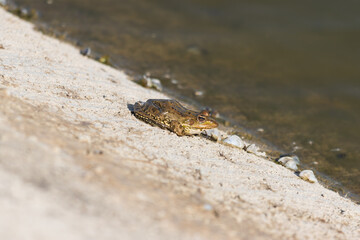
(76, 164)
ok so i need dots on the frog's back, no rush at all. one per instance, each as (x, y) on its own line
(164, 103)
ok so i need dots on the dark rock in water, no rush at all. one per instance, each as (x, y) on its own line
(85, 51)
(341, 155)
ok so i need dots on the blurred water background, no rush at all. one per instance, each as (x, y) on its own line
(290, 69)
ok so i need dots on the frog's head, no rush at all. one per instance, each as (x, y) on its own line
(199, 122)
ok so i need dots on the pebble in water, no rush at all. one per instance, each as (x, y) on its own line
(199, 93)
(290, 161)
(85, 51)
(157, 84)
(174, 81)
(260, 130)
(308, 175)
(149, 82)
(235, 141)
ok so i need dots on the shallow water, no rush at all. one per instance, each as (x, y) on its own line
(290, 68)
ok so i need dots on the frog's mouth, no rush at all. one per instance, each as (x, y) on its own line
(192, 131)
(208, 124)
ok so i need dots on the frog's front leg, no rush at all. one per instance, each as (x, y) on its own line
(176, 127)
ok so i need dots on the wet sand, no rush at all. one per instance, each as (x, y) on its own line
(76, 164)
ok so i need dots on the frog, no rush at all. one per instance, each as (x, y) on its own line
(170, 114)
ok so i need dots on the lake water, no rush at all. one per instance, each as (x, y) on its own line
(291, 68)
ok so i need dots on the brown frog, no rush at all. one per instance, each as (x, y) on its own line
(170, 114)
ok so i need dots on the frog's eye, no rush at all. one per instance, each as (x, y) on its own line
(205, 113)
(201, 118)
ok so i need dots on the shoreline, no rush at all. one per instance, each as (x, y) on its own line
(84, 158)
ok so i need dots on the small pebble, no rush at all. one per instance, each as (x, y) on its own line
(295, 148)
(24, 11)
(199, 93)
(291, 165)
(27, 13)
(145, 82)
(85, 51)
(235, 141)
(341, 155)
(148, 82)
(260, 130)
(157, 84)
(289, 161)
(174, 81)
(336, 150)
(104, 59)
(252, 148)
(308, 175)
(214, 134)
(167, 75)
